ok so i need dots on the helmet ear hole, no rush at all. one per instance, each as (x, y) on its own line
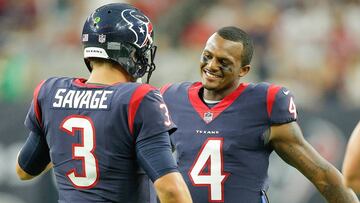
(109, 11)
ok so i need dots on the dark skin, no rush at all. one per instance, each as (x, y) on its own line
(289, 143)
(221, 70)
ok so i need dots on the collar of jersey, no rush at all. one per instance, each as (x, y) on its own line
(216, 110)
(81, 82)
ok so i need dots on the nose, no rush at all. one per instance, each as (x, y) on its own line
(213, 64)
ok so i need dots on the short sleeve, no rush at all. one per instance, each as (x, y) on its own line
(282, 106)
(33, 120)
(152, 117)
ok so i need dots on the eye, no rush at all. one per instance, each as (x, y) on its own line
(224, 62)
(205, 57)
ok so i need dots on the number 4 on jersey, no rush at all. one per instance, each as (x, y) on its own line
(210, 156)
(292, 108)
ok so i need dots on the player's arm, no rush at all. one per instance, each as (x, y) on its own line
(289, 143)
(155, 157)
(23, 175)
(153, 148)
(172, 188)
(351, 164)
(33, 158)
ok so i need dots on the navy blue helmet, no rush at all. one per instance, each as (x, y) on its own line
(123, 34)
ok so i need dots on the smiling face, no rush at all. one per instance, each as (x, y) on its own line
(221, 67)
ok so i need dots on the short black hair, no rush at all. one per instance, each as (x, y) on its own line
(236, 34)
(96, 60)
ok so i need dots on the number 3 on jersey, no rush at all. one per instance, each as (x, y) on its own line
(83, 151)
(211, 157)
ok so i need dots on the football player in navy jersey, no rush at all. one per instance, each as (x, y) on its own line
(105, 136)
(351, 162)
(227, 129)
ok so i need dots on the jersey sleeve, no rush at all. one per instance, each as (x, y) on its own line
(34, 155)
(155, 157)
(281, 105)
(33, 120)
(152, 117)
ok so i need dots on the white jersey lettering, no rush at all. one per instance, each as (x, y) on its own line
(82, 99)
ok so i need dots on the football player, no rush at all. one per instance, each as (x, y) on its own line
(105, 136)
(227, 129)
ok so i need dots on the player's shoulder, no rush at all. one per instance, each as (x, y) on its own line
(57, 81)
(261, 86)
(175, 88)
(52, 82)
(140, 90)
(145, 87)
(45, 87)
(266, 87)
(133, 86)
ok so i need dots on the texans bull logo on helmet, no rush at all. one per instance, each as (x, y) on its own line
(143, 26)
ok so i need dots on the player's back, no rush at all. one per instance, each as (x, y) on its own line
(90, 133)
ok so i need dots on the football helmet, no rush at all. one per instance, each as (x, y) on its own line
(123, 34)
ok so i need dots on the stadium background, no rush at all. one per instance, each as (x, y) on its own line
(310, 46)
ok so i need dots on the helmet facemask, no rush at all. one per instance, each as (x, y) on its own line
(144, 62)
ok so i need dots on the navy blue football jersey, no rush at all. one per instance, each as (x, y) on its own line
(92, 131)
(221, 151)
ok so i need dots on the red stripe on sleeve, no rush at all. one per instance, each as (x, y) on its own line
(270, 99)
(164, 88)
(36, 103)
(135, 101)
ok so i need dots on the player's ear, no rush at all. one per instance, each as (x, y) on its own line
(244, 70)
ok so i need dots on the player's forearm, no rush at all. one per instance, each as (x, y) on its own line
(48, 167)
(176, 196)
(22, 174)
(353, 183)
(333, 188)
(171, 188)
(339, 194)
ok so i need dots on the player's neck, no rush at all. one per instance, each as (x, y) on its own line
(108, 76)
(218, 95)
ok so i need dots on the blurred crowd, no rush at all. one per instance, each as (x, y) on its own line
(310, 46)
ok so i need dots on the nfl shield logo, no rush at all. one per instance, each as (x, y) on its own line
(102, 38)
(208, 116)
(85, 37)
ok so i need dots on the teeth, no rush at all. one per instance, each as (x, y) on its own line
(211, 75)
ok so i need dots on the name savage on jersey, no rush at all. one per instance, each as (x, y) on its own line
(82, 99)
